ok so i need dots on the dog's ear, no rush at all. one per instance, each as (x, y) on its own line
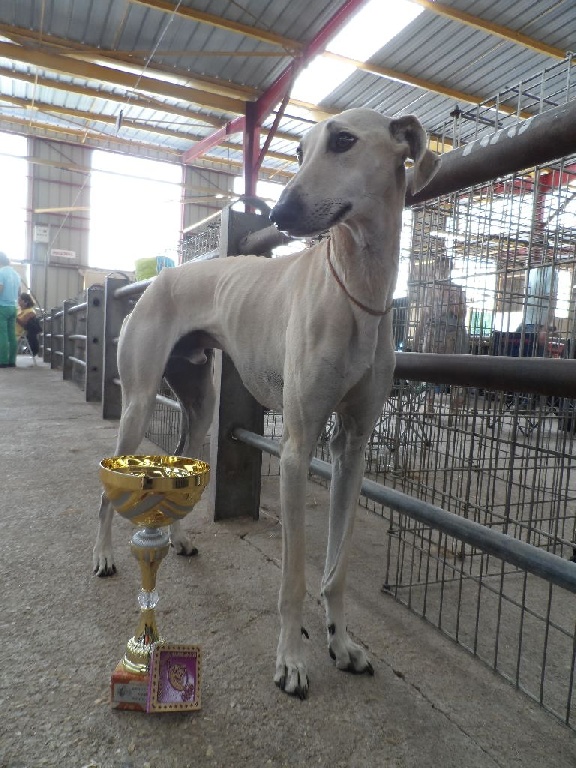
(408, 131)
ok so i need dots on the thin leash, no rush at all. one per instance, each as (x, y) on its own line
(369, 310)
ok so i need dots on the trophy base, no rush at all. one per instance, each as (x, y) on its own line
(172, 684)
(129, 690)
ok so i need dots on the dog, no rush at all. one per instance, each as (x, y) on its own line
(309, 333)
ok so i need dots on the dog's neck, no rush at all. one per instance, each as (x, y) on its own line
(365, 259)
(364, 307)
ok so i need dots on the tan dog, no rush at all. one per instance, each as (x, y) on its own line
(309, 334)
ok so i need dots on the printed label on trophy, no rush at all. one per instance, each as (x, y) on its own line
(128, 690)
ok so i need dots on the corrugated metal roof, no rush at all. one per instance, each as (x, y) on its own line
(75, 91)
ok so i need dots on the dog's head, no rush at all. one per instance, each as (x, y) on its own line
(352, 165)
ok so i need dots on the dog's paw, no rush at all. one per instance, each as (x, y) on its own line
(184, 548)
(291, 673)
(349, 656)
(180, 541)
(292, 678)
(104, 565)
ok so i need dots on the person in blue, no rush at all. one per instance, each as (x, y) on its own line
(9, 290)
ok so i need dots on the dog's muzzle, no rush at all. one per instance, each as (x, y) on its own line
(288, 213)
(299, 219)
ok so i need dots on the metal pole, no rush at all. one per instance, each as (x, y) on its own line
(544, 376)
(235, 468)
(540, 139)
(68, 323)
(115, 310)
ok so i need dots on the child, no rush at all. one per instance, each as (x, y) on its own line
(28, 323)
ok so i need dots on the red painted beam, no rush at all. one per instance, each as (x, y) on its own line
(556, 178)
(268, 100)
(202, 146)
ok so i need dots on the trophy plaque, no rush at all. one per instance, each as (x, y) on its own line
(174, 678)
(152, 492)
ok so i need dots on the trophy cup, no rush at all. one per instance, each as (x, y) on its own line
(152, 492)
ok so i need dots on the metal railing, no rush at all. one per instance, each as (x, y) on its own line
(74, 341)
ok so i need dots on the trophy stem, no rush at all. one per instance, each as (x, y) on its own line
(149, 546)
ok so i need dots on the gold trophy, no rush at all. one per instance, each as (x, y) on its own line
(152, 492)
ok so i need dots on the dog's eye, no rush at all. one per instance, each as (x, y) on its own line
(299, 155)
(342, 141)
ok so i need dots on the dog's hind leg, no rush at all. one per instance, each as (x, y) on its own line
(192, 382)
(135, 415)
(140, 373)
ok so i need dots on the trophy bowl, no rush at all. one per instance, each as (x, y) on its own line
(151, 492)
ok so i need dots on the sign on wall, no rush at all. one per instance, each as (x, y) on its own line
(41, 233)
(62, 256)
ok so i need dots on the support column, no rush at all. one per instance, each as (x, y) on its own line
(94, 343)
(115, 310)
(235, 468)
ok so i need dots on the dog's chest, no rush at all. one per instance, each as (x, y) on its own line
(266, 385)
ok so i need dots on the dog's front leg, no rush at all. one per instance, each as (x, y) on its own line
(103, 558)
(291, 673)
(347, 447)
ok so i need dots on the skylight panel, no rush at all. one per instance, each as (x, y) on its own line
(366, 32)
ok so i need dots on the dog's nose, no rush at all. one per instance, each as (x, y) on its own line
(288, 211)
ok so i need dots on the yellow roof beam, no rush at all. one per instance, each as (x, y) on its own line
(97, 118)
(494, 29)
(24, 125)
(218, 21)
(137, 101)
(294, 46)
(82, 134)
(402, 77)
(53, 44)
(427, 85)
(77, 68)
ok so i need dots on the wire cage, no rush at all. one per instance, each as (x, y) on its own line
(489, 271)
(202, 240)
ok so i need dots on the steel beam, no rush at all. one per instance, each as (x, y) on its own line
(539, 140)
(88, 71)
(543, 376)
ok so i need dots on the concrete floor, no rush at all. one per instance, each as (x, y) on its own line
(63, 630)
